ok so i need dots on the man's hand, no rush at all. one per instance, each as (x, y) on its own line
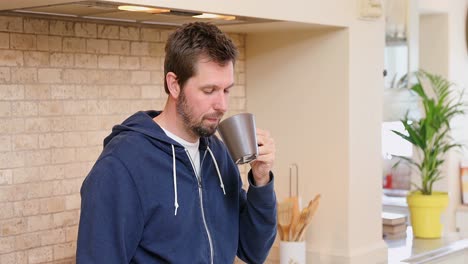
(262, 166)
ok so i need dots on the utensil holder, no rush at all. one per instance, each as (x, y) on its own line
(292, 252)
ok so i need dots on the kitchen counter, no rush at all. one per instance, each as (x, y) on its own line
(405, 249)
(408, 250)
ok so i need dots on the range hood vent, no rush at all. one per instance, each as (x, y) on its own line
(97, 5)
(183, 13)
(109, 11)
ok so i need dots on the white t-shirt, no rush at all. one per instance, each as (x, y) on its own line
(192, 148)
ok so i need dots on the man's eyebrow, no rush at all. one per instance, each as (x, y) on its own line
(229, 86)
(217, 87)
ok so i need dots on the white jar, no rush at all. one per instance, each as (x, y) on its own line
(292, 252)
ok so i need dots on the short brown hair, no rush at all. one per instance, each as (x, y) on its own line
(185, 46)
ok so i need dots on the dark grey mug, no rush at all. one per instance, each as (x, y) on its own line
(239, 134)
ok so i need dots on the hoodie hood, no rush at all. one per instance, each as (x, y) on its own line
(142, 122)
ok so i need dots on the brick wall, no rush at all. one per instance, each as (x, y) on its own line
(63, 85)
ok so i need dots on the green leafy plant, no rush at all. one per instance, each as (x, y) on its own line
(430, 135)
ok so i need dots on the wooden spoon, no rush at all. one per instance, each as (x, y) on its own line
(313, 205)
(285, 210)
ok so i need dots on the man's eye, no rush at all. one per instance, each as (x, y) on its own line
(226, 91)
(208, 91)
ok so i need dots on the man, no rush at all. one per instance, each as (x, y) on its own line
(164, 189)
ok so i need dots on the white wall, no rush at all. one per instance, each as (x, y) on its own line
(366, 66)
(434, 41)
(292, 90)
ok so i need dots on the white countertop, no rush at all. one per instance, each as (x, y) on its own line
(409, 247)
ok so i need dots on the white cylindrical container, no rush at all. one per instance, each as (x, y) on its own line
(292, 252)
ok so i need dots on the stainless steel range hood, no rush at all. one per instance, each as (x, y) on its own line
(105, 10)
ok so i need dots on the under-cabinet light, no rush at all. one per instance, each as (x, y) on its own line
(215, 16)
(143, 9)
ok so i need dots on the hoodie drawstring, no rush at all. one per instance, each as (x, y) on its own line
(217, 170)
(174, 176)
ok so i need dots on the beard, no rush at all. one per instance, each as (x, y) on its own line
(193, 125)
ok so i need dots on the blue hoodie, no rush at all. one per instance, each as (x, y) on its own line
(142, 203)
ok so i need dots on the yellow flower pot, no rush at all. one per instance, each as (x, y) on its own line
(425, 213)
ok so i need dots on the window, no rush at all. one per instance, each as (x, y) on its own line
(395, 178)
(393, 144)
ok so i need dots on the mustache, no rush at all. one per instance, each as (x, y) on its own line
(218, 115)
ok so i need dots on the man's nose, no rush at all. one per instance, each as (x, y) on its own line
(222, 101)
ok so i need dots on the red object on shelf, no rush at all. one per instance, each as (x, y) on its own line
(388, 181)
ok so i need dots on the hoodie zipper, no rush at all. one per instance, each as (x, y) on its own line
(200, 195)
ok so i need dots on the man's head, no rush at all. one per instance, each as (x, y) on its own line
(199, 73)
(190, 43)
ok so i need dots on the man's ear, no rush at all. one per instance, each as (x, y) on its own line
(172, 84)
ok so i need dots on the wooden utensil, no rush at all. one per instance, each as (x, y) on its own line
(312, 208)
(280, 230)
(300, 223)
(295, 217)
(285, 217)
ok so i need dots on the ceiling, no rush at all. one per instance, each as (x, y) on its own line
(105, 10)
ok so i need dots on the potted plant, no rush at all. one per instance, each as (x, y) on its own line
(430, 137)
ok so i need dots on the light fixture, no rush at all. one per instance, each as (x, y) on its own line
(143, 9)
(396, 21)
(215, 16)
